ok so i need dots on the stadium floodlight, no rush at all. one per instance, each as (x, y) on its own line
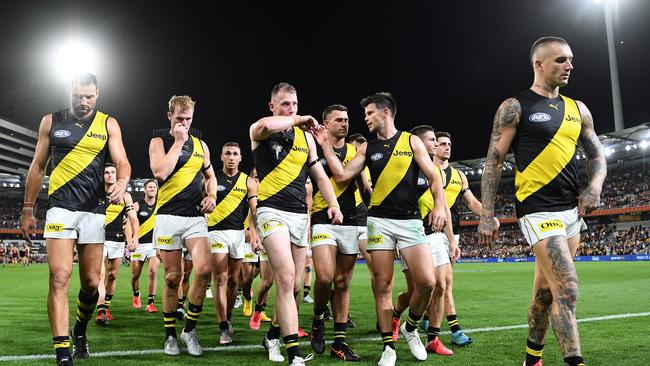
(628, 147)
(480, 171)
(73, 56)
(643, 144)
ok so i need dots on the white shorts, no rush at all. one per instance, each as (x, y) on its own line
(85, 227)
(538, 226)
(345, 238)
(143, 252)
(446, 242)
(270, 221)
(439, 250)
(227, 242)
(391, 234)
(170, 231)
(114, 249)
(249, 255)
(362, 233)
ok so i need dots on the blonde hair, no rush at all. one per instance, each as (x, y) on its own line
(183, 101)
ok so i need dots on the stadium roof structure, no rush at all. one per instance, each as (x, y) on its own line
(17, 145)
(630, 143)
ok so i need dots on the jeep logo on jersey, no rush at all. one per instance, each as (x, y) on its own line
(539, 117)
(402, 153)
(61, 133)
(301, 149)
(376, 156)
(96, 135)
(198, 155)
(238, 189)
(570, 118)
(221, 188)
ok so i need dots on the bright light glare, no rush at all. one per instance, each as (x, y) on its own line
(72, 57)
(643, 144)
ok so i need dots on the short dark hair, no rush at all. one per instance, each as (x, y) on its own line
(542, 41)
(357, 137)
(421, 130)
(282, 87)
(333, 107)
(381, 100)
(440, 134)
(230, 144)
(150, 181)
(109, 165)
(85, 78)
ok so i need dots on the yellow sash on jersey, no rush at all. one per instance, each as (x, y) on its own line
(78, 159)
(319, 201)
(394, 171)
(147, 225)
(229, 203)
(426, 200)
(183, 176)
(555, 156)
(454, 187)
(113, 211)
(288, 169)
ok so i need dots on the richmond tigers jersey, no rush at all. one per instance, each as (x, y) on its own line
(181, 193)
(453, 186)
(115, 222)
(281, 167)
(347, 194)
(232, 198)
(78, 150)
(544, 146)
(425, 198)
(395, 175)
(147, 219)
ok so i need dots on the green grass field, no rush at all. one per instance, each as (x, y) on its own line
(487, 296)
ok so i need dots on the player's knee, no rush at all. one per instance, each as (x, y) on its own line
(60, 279)
(324, 279)
(342, 282)
(220, 279)
(285, 279)
(440, 287)
(172, 280)
(111, 276)
(568, 294)
(233, 282)
(383, 285)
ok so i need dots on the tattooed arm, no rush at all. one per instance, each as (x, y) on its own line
(503, 131)
(596, 164)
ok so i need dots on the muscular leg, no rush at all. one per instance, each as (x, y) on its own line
(59, 255)
(112, 271)
(136, 271)
(200, 250)
(342, 279)
(324, 257)
(153, 264)
(404, 297)
(219, 263)
(171, 260)
(266, 275)
(556, 265)
(234, 272)
(280, 253)
(382, 287)
(418, 259)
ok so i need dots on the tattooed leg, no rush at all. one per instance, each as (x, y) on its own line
(556, 264)
(540, 307)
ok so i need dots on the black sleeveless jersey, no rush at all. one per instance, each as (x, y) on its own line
(394, 172)
(78, 152)
(147, 220)
(281, 167)
(546, 176)
(181, 193)
(232, 198)
(115, 222)
(347, 194)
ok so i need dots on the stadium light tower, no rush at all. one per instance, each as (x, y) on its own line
(73, 56)
(613, 65)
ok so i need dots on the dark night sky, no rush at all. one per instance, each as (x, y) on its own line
(449, 65)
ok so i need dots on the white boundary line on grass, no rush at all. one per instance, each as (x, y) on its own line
(256, 346)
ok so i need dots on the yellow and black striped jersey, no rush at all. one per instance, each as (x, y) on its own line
(280, 161)
(181, 193)
(232, 198)
(347, 194)
(147, 219)
(544, 146)
(115, 222)
(395, 175)
(78, 152)
(453, 186)
(425, 198)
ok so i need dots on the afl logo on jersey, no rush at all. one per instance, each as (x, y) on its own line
(539, 117)
(144, 213)
(422, 181)
(61, 133)
(221, 188)
(376, 156)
